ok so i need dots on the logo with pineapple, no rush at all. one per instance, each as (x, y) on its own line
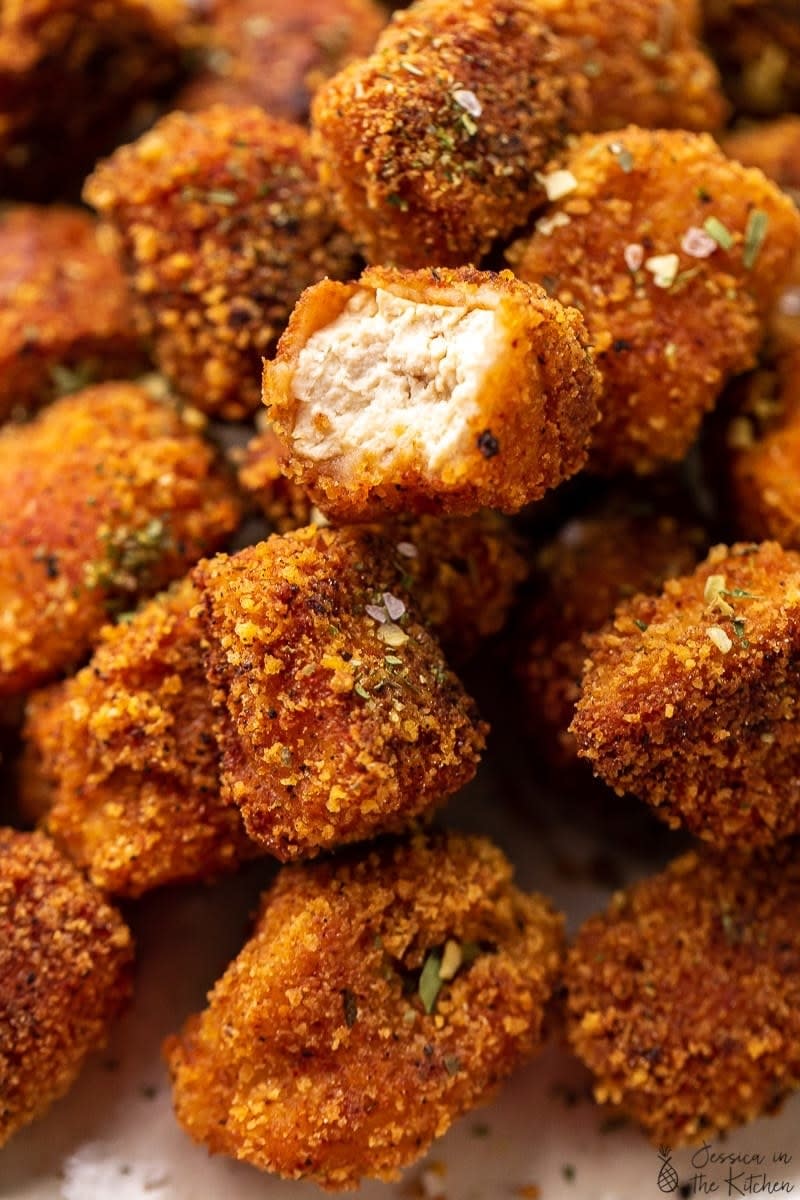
(667, 1176)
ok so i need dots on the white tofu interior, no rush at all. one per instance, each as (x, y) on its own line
(391, 376)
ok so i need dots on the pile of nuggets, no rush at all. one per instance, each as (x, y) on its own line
(377, 285)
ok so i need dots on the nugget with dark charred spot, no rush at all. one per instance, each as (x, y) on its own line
(683, 999)
(691, 699)
(340, 718)
(221, 223)
(106, 496)
(54, 336)
(431, 391)
(384, 993)
(128, 753)
(675, 257)
(432, 145)
(609, 552)
(65, 959)
(643, 61)
(277, 55)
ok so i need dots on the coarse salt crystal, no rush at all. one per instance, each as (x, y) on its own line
(720, 638)
(663, 268)
(394, 606)
(468, 101)
(377, 613)
(407, 549)
(558, 184)
(697, 243)
(634, 256)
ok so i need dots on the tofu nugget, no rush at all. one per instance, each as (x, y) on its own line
(276, 55)
(643, 61)
(341, 717)
(106, 496)
(65, 959)
(71, 73)
(691, 699)
(53, 331)
(128, 750)
(384, 994)
(432, 145)
(763, 446)
(431, 391)
(601, 556)
(684, 998)
(675, 256)
(222, 223)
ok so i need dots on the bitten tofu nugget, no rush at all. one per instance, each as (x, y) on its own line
(609, 552)
(221, 223)
(675, 256)
(691, 699)
(65, 974)
(684, 998)
(106, 497)
(431, 146)
(342, 718)
(431, 391)
(643, 62)
(383, 994)
(277, 54)
(127, 752)
(54, 332)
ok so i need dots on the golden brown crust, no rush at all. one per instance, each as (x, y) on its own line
(106, 496)
(429, 153)
(643, 61)
(763, 447)
(222, 223)
(316, 1058)
(667, 335)
(534, 411)
(277, 58)
(337, 724)
(285, 504)
(51, 261)
(683, 998)
(691, 699)
(628, 544)
(65, 958)
(71, 72)
(129, 750)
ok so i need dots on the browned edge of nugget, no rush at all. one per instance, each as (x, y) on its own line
(683, 998)
(339, 716)
(383, 994)
(221, 223)
(65, 974)
(691, 699)
(128, 752)
(483, 391)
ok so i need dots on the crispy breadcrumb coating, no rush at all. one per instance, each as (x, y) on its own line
(463, 571)
(128, 749)
(757, 46)
(675, 256)
(691, 699)
(65, 959)
(683, 999)
(763, 446)
(222, 223)
(71, 73)
(53, 332)
(432, 145)
(383, 994)
(643, 61)
(342, 719)
(598, 558)
(106, 496)
(774, 147)
(431, 391)
(277, 55)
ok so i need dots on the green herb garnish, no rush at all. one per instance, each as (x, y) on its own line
(719, 232)
(430, 981)
(754, 234)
